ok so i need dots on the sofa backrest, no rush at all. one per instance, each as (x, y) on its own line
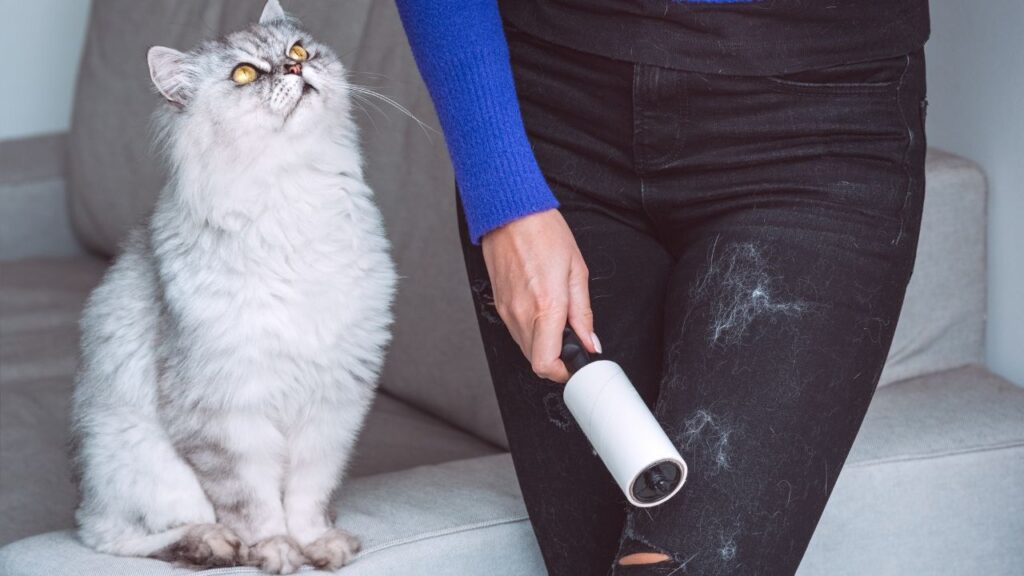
(436, 361)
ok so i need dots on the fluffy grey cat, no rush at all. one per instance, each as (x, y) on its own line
(231, 353)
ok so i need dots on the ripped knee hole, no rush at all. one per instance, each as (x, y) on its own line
(638, 558)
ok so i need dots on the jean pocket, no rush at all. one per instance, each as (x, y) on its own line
(879, 76)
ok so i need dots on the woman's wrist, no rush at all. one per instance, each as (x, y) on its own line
(516, 223)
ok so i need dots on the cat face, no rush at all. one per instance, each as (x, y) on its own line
(272, 77)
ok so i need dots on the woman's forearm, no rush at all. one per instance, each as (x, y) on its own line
(460, 49)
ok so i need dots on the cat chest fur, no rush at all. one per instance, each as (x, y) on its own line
(294, 301)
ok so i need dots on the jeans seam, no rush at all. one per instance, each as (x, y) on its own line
(638, 121)
(639, 160)
(907, 177)
(834, 87)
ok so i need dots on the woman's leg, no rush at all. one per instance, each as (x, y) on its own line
(792, 205)
(577, 110)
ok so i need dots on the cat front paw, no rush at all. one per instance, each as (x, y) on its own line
(276, 555)
(332, 550)
(210, 545)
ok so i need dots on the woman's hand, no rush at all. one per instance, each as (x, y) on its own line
(540, 281)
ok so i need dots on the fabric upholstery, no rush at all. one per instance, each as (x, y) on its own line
(39, 308)
(34, 220)
(931, 487)
(452, 519)
(436, 361)
(40, 301)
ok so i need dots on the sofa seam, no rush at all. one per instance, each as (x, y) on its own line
(442, 532)
(936, 455)
(391, 544)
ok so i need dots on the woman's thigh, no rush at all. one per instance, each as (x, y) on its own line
(794, 232)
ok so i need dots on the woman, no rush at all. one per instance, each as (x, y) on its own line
(729, 193)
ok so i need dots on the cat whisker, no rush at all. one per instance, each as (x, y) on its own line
(359, 103)
(364, 100)
(374, 74)
(355, 88)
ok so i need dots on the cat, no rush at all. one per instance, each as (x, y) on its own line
(231, 353)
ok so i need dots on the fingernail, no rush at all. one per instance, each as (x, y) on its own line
(597, 343)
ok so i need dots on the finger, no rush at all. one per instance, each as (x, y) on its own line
(547, 344)
(581, 317)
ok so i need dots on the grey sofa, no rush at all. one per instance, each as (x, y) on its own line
(935, 483)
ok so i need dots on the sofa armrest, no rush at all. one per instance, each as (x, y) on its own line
(943, 321)
(34, 216)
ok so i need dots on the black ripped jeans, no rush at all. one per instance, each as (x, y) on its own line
(749, 241)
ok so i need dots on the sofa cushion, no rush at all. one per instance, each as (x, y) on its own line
(931, 487)
(968, 409)
(40, 301)
(114, 176)
(451, 519)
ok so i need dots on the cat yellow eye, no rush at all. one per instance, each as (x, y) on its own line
(298, 53)
(243, 74)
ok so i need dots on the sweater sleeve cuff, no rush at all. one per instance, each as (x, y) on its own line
(515, 200)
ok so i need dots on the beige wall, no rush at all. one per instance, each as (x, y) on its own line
(976, 94)
(41, 41)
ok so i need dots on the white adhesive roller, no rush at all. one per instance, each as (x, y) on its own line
(633, 446)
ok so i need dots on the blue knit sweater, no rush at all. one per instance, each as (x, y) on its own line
(460, 48)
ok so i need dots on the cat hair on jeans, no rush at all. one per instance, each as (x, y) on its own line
(232, 351)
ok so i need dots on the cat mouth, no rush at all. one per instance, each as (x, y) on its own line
(289, 97)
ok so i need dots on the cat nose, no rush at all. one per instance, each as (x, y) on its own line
(293, 68)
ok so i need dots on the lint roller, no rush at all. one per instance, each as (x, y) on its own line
(626, 436)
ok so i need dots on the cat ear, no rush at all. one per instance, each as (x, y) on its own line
(272, 11)
(167, 69)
